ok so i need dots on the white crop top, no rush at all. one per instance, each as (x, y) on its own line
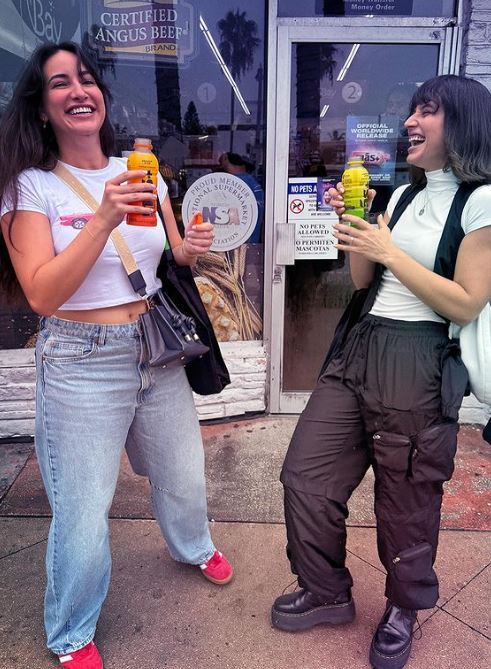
(107, 283)
(418, 235)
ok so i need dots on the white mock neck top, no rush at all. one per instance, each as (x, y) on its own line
(418, 233)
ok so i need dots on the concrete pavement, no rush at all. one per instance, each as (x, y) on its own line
(163, 614)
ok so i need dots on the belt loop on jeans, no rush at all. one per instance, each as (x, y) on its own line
(101, 336)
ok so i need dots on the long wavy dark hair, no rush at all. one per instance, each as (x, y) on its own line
(25, 142)
(467, 125)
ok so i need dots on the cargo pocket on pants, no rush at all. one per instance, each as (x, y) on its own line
(412, 582)
(391, 452)
(433, 453)
(414, 563)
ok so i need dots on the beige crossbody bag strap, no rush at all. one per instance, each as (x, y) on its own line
(116, 237)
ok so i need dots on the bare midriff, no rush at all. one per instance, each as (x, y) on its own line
(120, 313)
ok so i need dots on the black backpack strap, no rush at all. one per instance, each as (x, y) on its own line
(453, 234)
(403, 202)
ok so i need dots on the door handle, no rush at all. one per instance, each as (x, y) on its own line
(285, 244)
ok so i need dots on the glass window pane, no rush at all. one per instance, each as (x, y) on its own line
(190, 75)
(367, 8)
(341, 105)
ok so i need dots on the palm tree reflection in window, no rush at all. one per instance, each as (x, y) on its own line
(237, 44)
(315, 61)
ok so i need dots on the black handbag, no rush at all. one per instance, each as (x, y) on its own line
(176, 319)
(170, 336)
(207, 374)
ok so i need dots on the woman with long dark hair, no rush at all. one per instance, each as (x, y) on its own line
(389, 396)
(96, 393)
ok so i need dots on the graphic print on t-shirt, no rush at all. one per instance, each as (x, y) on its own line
(76, 221)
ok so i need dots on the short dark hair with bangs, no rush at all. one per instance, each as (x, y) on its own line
(467, 124)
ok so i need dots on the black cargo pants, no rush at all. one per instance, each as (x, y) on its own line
(389, 401)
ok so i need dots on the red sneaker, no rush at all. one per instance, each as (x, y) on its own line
(86, 658)
(217, 569)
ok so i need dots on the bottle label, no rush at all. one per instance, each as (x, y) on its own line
(355, 182)
(144, 160)
(356, 201)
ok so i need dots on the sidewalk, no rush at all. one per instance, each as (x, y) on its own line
(163, 614)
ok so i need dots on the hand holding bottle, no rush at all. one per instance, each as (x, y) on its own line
(373, 242)
(122, 196)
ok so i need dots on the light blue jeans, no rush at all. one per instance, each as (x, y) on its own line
(95, 396)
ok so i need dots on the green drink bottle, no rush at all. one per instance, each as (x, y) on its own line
(355, 181)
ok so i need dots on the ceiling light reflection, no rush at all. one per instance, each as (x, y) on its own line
(222, 64)
(348, 62)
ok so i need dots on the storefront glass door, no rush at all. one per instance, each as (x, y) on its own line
(339, 98)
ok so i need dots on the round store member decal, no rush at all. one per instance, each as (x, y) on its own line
(228, 203)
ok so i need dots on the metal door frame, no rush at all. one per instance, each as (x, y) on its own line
(279, 237)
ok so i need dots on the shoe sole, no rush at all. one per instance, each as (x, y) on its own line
(330, 614)
(379, 661)
(216, 581)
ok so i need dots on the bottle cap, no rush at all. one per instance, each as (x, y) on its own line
(356, 159)
(142, 141)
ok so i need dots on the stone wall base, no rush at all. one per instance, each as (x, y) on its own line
(247, 363)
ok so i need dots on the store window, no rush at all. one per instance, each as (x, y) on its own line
(367, 8)
(190, 75)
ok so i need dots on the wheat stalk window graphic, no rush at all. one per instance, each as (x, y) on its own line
(220, 281)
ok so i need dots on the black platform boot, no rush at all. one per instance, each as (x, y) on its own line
(391, 643)
(302, 609)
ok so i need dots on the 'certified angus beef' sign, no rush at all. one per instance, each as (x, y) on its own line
(161, 29)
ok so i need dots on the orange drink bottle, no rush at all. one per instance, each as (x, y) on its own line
(142, 158)
(355, 181)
